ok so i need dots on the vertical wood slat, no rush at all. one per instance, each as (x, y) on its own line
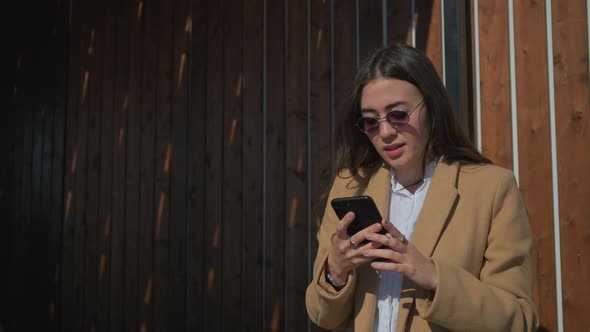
(344, 56)
(105, 184)
(370, 27)
(296, 170)
(320, 132)
(148, 207)
(213, 217)
(251, 167)
(533, 134)
(232, 158)
(121, 136)
(399, 21)
(26, 182)
(10, 140)
(495, 82)
(572, 96)
(59, 168)
(37, 222)
(428, 31)
(44, 227)
(163, 153)
(196, 239)
(86, 83)
(178, 168)
(96, 54)
(138, 171)
(71, 163)
(275, 167)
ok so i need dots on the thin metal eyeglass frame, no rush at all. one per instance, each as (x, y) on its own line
(381, 119)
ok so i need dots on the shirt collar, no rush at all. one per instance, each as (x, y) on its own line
(428, 173)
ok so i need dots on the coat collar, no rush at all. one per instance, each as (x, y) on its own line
(438, 203)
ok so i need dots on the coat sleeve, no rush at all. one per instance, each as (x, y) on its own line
(501, 298)
(327, 307)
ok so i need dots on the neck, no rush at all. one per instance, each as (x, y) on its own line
(409, 178)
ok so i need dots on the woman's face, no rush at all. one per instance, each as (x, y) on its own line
(401, 146)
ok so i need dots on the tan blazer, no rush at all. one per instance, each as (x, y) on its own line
(474, 226)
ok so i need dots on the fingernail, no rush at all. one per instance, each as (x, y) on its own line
(366, 253)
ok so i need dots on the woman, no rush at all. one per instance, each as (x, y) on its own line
(456, 255)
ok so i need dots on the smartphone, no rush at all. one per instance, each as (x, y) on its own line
(365, 211)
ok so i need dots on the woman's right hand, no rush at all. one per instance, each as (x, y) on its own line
(347, 252)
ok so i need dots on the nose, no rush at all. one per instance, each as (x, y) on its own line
(386, 130)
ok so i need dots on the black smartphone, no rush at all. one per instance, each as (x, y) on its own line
(365, 211)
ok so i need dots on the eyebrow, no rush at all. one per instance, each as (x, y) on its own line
(388, 107)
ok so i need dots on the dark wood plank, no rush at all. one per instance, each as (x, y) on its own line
(9, 146)
(495, 82)
(105, 185)
(147, 207)
(96, 53)
(232, 174)
(399, 21)
(13, 235)
(370, 27)
(320, 120)
(251, 166)
(42, 257)
(37, 226)
(214, 169)
(296, 138)
(196, 239)
(274, 262)
(344, 59)
(428, 18)
(121, 228)
(60, 49)
(86, 82)
(163, 152)
(178, 168)
(23, 248)
(534, 149)
(75, 75)
(572, 97)
(42, 234)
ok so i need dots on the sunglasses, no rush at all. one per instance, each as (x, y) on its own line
(395, 118)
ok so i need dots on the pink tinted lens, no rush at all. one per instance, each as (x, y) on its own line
(368, 124)
(397, 117)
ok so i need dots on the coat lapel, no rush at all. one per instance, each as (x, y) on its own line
(440, 199)
(438, 204)
(379, 189)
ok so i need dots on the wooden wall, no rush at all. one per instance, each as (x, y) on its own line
(535, 113)
(167, 157)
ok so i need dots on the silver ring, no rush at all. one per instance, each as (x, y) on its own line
(388, 236)
(403, 240)
(351, 242)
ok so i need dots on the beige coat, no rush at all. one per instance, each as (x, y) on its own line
(474, 226)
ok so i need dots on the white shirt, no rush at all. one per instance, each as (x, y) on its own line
(404, 208)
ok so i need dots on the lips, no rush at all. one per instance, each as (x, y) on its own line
(394, 151)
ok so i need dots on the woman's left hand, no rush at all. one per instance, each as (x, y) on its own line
(398, 255)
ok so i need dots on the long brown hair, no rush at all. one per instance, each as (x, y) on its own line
(356, 153)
